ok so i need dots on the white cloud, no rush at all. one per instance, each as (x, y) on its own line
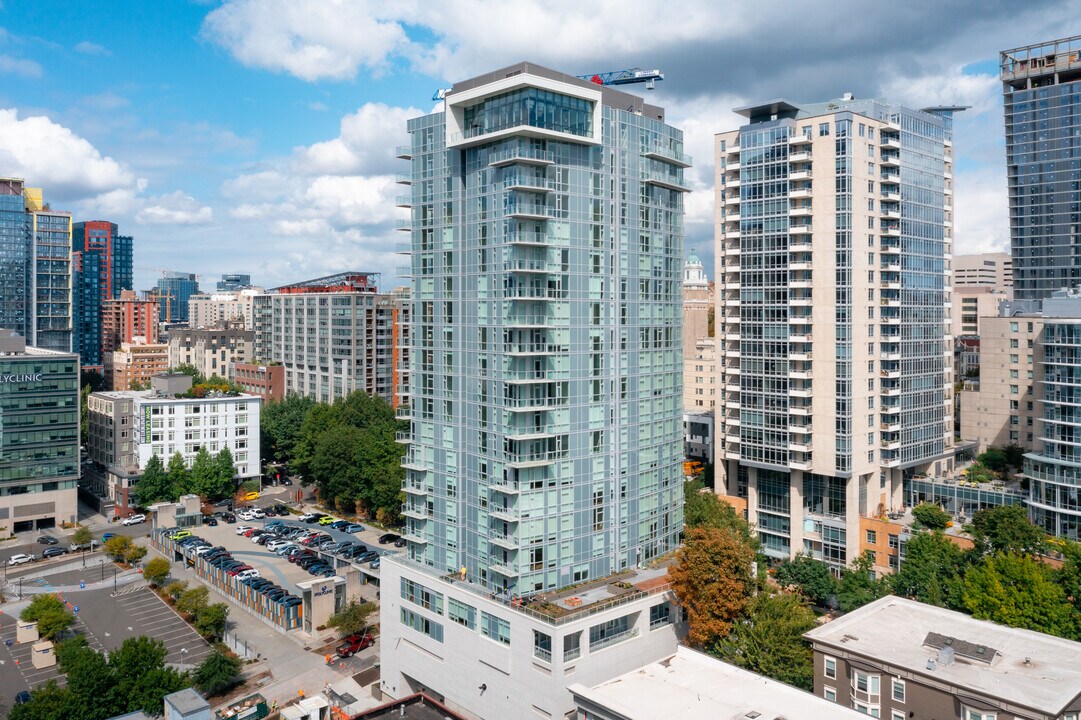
(352, 200)
(88, 48)
(17, 66)
(52, 156)
(176, 208)
(329, 39)
(364, 144)
(265, 185)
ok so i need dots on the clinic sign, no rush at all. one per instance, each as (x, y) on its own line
(6, 378)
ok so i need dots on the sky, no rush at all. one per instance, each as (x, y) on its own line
(258, 136)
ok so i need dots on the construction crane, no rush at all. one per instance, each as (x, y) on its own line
(615, 77)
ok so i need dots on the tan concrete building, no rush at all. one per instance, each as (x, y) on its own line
(970, 303)
(217, 309)
(834, 348)
(212, 351)
(700, 377)
(135, 363)
(994, 270)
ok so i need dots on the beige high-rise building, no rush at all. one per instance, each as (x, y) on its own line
(834, 239)
(983, 270)
(970, 304)
(217, 309)
(212, 351)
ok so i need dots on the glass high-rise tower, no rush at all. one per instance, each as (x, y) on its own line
(103, 268)
(1041, 92)
(174, 291)
(546, 353)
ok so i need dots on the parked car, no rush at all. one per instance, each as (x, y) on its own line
(281, 510)
(180, 535)
(287, 482)
(387, 538)
(22, 697)
(21, 559)
(227, 517)
(75, 547)
(257, 513)
(312, 518)
(354, 644)
(241, 529)
(47, 540)
(366, 557)
(339, 524)
(400, 542)
(248, 497)
(106, 537)
(327, 520)
(353, 528)
(133, 519)
(210, 520)
(54, 552)
(238, 569)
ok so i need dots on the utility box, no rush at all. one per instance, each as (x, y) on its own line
(27, 631)
(42, 655)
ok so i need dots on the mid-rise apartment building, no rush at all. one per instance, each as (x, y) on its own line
(546, 392)
(1041, 95)
(834, 236)
(899, 659)
(211, 352)
(128, 318)
(266, 381)
(35, 289)
(333, 335)
(133, 364)
(128, 427)
(217, 309)
(102, 261)
(39, 436)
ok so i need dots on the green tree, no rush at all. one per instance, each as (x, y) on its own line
(141, 679)
(179, 477)
(769, 640)
(176, 588)
(712, 579)
(217, 673)
(211, 620)
(204, 474)
(47, 701)
(134, 554)
(90, 684)
(117, 547)
(353, 618)
(1015, 455)
(280, 424)
(858, 585)
(156, 571)
(931, 516)
(994, 459)
(1019, 591)
(1068, 577)
(50, 613)
(193, 600)
(812, 578)
(702, 508)
(930, 570)
(191, 370)
(84, 414)
(225, 475)
(1006, 528)
(82, 535)
(154, 485)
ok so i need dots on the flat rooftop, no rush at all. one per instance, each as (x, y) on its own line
(1027, 668)
(694, 686)
(413, 707)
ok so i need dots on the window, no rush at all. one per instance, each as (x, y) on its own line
(897, 715)
(495, 628)
(866, 709)
(422, 625)
(865, 683)
(830, 669)
(829, 693)
(542, 646)
(417, 594)
(872, 537)
(898, 690)
(609, 633)
(572, 646)
(823, 129)
(660, 615)
(970, 714)
(461, 613)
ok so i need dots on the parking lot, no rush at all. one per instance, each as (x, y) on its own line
(106, 622)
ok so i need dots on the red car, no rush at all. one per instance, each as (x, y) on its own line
(238, 569)
(301, 555)
(247, 533)
(354, 644)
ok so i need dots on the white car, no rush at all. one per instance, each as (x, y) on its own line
(244, 528)
(21, 559)
(275, 545)
(245, 515)
(247, 574)
(308, 516)
(257, 514)
(134, 519)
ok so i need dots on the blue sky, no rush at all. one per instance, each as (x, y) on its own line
(257, 135)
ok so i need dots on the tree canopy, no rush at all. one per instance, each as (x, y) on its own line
(1019, 591)
(353, 618)
(1006, 528)
(929, 572)
(217, 673)
(811, 578)
(769, 639)
(713, 581)
(931, 516)
(280, 426)
(702, 508)
(50, 613)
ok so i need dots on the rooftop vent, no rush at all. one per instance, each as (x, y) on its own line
(945, 655)
(849, 97)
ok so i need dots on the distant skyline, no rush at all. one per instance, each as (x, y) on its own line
(257, 136)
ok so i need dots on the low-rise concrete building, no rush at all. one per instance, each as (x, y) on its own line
(266, 381)
(491, 656)
(211, 351)
(691, 685)
(899, 659)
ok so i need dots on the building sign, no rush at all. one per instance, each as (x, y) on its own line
(325, 590)
(146, 424)
(23, 377)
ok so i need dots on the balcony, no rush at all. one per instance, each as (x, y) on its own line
(800, 192)
(414, 489)
(890, 160)
(528, 210)
(505, 489)
(799, 139)
(507, 514)
(669, 155)
(530, 266)
(800, 265)
(799, 229)
(800, 410)
(732, 217)
(731, 182)
(527, 238)
(799, 156)
(403, 248)
(522, 155)
(889, 141)
(891, 231)
(731, 166)
(403, 201)
(504, 569)
(800, 211)
(801, 392)
(798, 338)
(404, 178)
(403, 152)
(891, 196)
(799, 175)
(890, 177)
(800, 245)
(504, 541)
(404, 437)
(799, 463)
(415, 513)
(406, 225)
(668, 181)
(799, 429)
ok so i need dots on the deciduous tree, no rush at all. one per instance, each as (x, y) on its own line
(50, 613)
(217, 673)
(1006, 528)
(353, 618)
(154, 485)
(930, 570)
(812, 578)
(1019, 591)
(156, 571)
(858, 585)
(179, 477)
(211, 620)
(702, 508)
(712, 579)
(769, 640)
(931, 516)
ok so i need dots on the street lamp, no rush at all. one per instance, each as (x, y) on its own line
(183, 652)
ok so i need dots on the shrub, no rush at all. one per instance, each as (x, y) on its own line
(931, 516)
